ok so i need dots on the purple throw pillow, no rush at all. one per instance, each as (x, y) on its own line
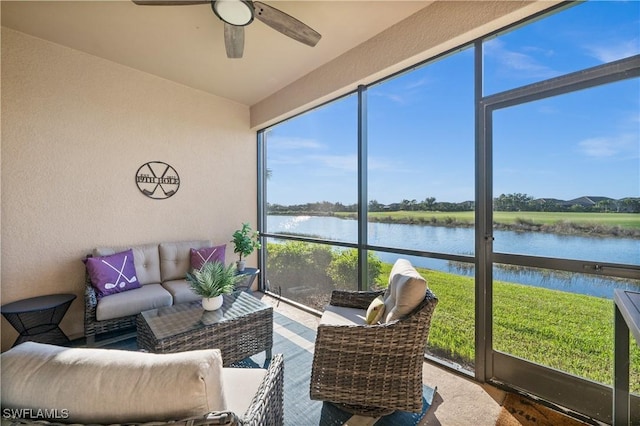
(208, 254)
(112, 274)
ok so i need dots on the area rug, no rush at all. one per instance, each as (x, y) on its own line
(296, 342)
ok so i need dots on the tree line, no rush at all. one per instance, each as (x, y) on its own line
(504, 202)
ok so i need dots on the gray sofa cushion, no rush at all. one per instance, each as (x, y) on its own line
(133, 302)
(109, 386)
(181, 291)
(146, 259)
(175, 258)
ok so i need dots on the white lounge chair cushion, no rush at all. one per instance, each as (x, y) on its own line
(109, 386)
(341, 315)
(240, 387)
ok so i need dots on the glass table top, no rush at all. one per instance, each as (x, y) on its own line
(173, 320)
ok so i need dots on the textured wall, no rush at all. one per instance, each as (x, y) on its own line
(75, 128)
(437, 28)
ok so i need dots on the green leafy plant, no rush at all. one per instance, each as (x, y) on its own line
(245, 241)
(343, 269)
(213, 279)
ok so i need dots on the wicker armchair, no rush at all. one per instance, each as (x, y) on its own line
(372, 369)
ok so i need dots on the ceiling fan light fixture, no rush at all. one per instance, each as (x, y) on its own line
(233, 12)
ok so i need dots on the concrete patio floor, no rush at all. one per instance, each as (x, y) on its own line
(459, 400)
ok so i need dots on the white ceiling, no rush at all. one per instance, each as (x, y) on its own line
(185, 43)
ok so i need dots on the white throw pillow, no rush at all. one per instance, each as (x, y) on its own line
(405, 291)
(108, 386)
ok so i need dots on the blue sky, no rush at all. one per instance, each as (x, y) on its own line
(421, 129)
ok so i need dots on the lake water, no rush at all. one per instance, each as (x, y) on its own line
(461, 241)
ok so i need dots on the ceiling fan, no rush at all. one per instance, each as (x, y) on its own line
(236, 14)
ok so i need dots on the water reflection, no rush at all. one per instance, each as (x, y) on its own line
(570, 282)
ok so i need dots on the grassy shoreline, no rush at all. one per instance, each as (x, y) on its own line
(564, 331)
(616, 225)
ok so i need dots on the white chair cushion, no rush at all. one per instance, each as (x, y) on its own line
(240, 386)
(111, 386)
(340, 315)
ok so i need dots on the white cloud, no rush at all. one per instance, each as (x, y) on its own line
(330, 164)
(397, 99)
(285, 159)
(377, 163)
(417, 83)
(524, 65)
(612, 51)
(407, 93)
(597, 147)
(626, 145)
(348, 163)
(280, 143)
(393, 97)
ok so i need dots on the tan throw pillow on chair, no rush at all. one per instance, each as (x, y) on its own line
(405, 291)
(375, 311)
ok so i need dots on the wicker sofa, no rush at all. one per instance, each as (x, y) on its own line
(374, 369)
(160, 270)
(57, 385)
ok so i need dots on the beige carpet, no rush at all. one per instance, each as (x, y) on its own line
(517, 411)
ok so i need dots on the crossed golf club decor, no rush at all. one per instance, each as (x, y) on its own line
(118, 282)
(157, 180)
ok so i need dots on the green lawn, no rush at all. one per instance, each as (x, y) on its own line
(623, 220)
(565, 331)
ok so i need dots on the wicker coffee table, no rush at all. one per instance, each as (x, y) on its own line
(241, 328)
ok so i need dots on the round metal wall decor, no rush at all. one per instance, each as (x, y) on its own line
(157, 180)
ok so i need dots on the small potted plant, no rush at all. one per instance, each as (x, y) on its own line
(245, 241)
(212, 281)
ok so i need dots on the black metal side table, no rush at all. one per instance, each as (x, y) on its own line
(37, 319)
(249, 275)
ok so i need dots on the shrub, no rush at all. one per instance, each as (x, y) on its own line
(296, 263)
(343, 269)
(300, 264)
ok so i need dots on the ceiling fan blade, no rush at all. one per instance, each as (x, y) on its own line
(286, 24)
(233, 40)
(169, 2)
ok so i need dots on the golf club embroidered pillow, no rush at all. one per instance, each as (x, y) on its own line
(208, 254)
(112, 274)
